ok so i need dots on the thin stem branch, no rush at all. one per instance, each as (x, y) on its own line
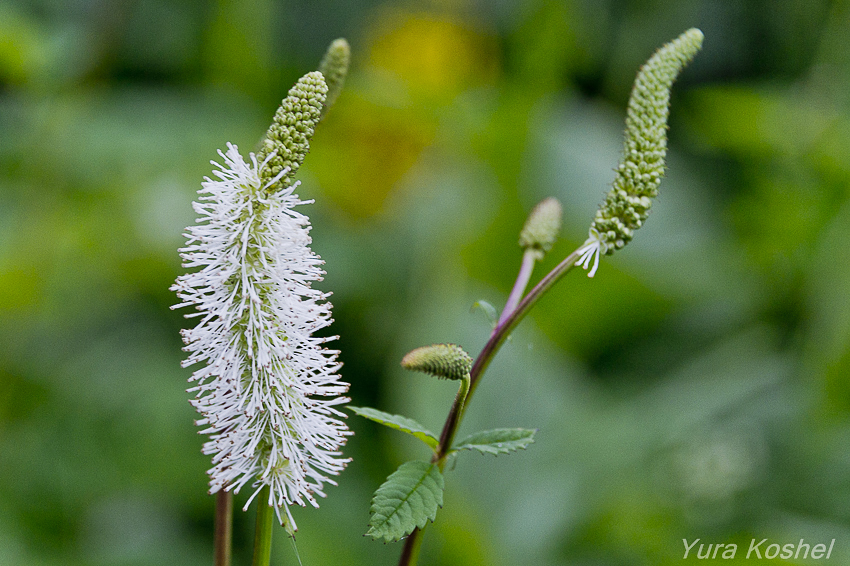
(528, 259)
(263, 533)
(410, 552)
(452, 422)
(504, 329)
(223, 527)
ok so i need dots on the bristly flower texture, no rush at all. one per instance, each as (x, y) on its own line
(627, 204)
(268, 388)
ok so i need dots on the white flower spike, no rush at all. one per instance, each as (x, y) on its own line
(268, 389)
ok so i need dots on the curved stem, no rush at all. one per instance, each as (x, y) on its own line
(528, 259)
(410, 551)
(452, 422)
(223, 527)
(504, 328)
(263, 533)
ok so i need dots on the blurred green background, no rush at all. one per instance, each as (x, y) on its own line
(695, 388)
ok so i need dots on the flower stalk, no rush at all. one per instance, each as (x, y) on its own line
(223, 527)
(453, 420)
(410, 551)
(529, 257)
(266, 389)
(263, 530)
(623, 211)
(536, 238)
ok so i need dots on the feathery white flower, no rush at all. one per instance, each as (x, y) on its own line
(268, 388)
(592, 248)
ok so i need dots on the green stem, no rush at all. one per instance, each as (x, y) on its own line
(263, 533)
(223, 527)
(504, 328)
(410, 551)
(452, 421)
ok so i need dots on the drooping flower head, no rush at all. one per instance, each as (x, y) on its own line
(267, 388)
(627, 204)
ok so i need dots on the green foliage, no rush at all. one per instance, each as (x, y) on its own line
(408, 499)
(723, 336)
(497, 441)
(398, 422)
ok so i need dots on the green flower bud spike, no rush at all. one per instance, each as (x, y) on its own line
(446, 361)
(288, 139)
(542, 227)
(334, 67)
(536, 238)
(627, 204)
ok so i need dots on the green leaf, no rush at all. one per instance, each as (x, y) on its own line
(399, 422)
(409, 498)
(497, 441)
(489, 311)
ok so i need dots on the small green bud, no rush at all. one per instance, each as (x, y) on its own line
(334, 67)
(292, 128)
(446, 361)
(542, 227)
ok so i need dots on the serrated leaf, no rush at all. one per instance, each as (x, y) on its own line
(497, 441)
(489, 311)
(399, 422)
(409, 498)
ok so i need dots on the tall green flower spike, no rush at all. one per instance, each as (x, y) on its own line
(627, 204)
(446, 361)
(288, 139)
(334, 67)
